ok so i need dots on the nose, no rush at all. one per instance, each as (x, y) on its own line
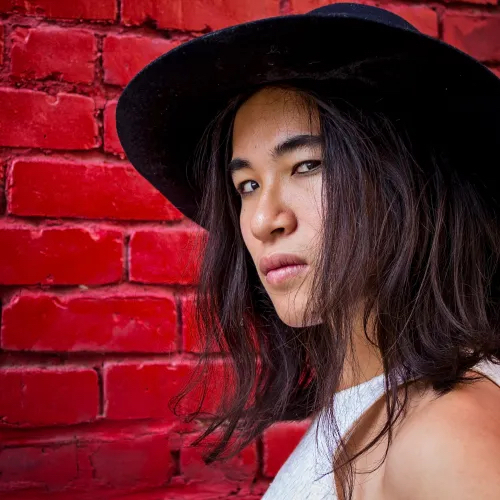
(272, 216)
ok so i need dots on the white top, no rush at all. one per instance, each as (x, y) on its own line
(307, 472)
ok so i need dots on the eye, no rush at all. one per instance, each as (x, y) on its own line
(310, 164)
(314, 163)
(241, 185)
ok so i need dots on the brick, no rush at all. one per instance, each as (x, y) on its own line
(2, 186)
(35, 119)
(143, 461)
(477, 35)
(48, 396)
(60, 256)
(1, 43)
(480, 2)
(279, 441)
(100, 190)
(75, 461)
(170, 257)
(39, 322)
(240, 469)
(196, 15)
(143, 390)
(133, 390)
(65, 54)
(111, 141)
(98, 10)
(52, 466)
(177, 490)
(125, 55)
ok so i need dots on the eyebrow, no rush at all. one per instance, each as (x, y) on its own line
(287, 146)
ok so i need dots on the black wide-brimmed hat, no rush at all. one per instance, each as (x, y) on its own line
(164, 110)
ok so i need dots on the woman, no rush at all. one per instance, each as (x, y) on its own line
(350, 268)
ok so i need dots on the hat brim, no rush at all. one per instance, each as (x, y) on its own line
(164, 110)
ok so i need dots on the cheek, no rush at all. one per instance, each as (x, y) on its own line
(314, 218)
(317, 206)
(243, 227)
(308, 204)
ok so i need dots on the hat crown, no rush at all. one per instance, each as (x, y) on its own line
(368, 12)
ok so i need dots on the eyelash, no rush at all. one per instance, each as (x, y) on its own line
(239, 187)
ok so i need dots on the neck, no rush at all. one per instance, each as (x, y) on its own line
(363, 362)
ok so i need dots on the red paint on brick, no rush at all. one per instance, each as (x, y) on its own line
(90, 190)
(102, 462)
(477, 35)
(240, 469)
(124, 55)
(62, 256)
(38, 322)
(2, 187)
(133, 390)
(139, 462)
(143, 390)
(480, 2)
(48, 396)
(196, 15)
(76, 9)
(171, 256)
(279, 441)
(52, 466)
(1, 43)
(64, 53)
(111, 141)
(35, 119)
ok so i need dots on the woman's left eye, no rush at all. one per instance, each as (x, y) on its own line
(314, 164)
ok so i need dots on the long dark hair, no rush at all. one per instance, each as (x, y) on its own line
(404, 233)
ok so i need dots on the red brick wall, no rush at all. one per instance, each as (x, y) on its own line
(95, 285)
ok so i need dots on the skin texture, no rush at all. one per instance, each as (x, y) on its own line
(447, 447)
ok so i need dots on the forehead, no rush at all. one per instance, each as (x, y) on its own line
(270, 115)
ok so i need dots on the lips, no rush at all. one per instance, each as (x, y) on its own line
(277, 260)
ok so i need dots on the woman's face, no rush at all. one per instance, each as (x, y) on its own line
(276, 166)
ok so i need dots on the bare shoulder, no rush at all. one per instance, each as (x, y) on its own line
(449, 447)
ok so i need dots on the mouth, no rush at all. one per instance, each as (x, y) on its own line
(281, 267)
(285, 273)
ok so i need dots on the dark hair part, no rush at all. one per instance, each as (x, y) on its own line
(404, 234)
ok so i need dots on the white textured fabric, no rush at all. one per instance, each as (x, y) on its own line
(304, 474)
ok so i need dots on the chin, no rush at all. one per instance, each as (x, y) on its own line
(292, 322)
(290, 306)
(295, 318)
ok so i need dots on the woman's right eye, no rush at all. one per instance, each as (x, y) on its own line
(241, 187)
